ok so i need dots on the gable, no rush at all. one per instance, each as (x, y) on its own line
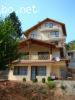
(46, 22)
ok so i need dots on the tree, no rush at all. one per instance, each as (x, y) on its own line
(70, 45)
(8, 43)
(16, 23)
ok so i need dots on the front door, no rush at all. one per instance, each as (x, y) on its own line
(33, 72)
(63, 73)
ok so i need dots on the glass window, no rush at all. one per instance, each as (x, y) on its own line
(54, 33)
(33, 35)
(20, 70)
(41, 70)
(57, 34)
(47, 24)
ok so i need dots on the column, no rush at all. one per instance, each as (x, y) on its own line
(29, 73)
(48, 70)
(50, 53)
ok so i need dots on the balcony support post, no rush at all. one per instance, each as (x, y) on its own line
(29, 73)
(50, 53)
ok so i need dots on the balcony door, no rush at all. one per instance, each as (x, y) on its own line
(33, 72)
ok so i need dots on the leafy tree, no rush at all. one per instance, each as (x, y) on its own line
(70, 45)
(8, 43)
(16, 23)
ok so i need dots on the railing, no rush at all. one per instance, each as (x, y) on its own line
(40, 57)
(48, 28)
(35, 57)
(43, 57)
(24, 57)
(35, 36)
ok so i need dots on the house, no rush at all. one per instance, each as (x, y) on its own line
(71, 54)
(43, 52)
(71, 67)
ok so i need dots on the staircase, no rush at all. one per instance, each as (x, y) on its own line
(3, 75)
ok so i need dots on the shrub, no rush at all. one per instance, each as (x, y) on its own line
(63, 87)
(49, 78)
(73, 86)
(35, 80)
(24, 79)
(51, 84)
(43, 80)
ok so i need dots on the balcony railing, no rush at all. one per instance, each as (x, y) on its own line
(24, 57)
(43, 57)
(35, 57)
(40, 57)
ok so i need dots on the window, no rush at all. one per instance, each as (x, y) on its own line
(20, 70)
(24, 55)
(54, 33)
(33, 35)
(47, 24)
(41, 71)
(57, 34)
(71, 54)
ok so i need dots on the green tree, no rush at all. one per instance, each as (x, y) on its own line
(8, 43)
(16, 23)
(70, 45)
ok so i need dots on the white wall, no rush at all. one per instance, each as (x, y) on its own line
(28, 77)
(42, 32)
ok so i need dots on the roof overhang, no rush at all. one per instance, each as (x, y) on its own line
(35, 41)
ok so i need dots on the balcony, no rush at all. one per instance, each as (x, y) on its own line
(35, 36)
(54, 38)
(49, 29)
(43, 57)
(35, 57)
(47, 37)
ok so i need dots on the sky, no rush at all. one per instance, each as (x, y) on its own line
(30, 12)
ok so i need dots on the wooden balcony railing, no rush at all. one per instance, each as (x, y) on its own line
(43, 57)
(40, 57)
(35, 57)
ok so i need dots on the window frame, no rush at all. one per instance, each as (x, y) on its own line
(54, 33)
(41, 71)
(49, 25)
(18, 70)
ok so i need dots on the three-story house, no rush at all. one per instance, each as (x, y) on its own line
(43, 52)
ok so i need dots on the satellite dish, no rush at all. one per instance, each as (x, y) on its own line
(57, 59)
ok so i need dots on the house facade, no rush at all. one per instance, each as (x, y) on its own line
(71, 67)
(42, 53)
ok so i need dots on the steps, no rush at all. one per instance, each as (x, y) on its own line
(3, 75)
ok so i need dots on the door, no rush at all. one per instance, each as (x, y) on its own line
(61, 53)
(33, 72)
(63, 73)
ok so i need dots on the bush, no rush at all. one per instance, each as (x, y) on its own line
(63, 87)
(51, 84)
(24, 79)
(43, 80)
(49, 78)
(35, 80)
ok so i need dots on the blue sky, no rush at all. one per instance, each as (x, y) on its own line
(60, 10)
